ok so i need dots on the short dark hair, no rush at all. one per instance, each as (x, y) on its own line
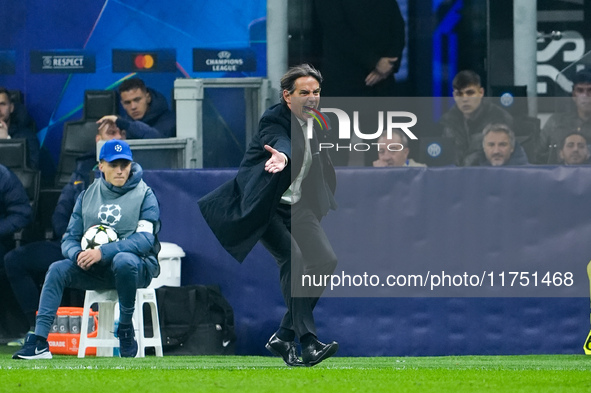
(466, 78)
(295, 72)
(583, 76)
(4, 90)
(132, 84)
(499, 127)
(571, 133)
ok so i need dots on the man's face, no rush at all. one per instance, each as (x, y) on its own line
(468, 99)
(6, 107)
(389, 157)
(582, 97)
(575, 150)
(109, 131)
(305, 96)
(116, 172)
(497, 147)
(136, 103)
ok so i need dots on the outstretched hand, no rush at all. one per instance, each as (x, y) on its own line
(277, 162)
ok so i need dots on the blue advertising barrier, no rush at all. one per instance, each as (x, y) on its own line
(521, 218)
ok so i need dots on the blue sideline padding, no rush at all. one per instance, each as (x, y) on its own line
(520, 219)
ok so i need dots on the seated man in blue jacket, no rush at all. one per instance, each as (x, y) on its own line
(26, 266)
(498, 148)
(146, 112)
(15, 214)
(124, 265)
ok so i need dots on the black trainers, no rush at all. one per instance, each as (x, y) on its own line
(127, 343)
(33, 349)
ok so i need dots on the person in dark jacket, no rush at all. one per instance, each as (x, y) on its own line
(15, 123)
(362, 44)
(121, 200)
(15, 214)
(574, 149)
(577, 119)
(466, 120)
(15, 208)
(284, 186)
(26, 266)
(499, 148)
(146, 116)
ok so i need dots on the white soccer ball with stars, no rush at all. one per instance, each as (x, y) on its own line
(97, 235)
(109, 214)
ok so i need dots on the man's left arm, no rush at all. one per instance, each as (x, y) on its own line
(141, 242)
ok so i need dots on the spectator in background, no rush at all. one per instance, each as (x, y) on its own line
(362, 44)
(498, 148)
(574, 149)
(146, 112)
(394, 152)
(560, 123)
(26, 266)
(15, 123)
(466, 120)
(15, 214)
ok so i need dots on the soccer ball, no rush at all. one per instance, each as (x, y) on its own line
(109, 214)
(98, 235)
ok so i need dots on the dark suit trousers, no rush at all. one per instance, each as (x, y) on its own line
(303, 250)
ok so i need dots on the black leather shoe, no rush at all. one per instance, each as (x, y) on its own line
(285, 349)
(317, 351)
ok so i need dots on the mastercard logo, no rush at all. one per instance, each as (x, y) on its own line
(144, 62)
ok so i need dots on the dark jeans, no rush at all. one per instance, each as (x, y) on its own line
(299, 245)
(126, 273)
(26, 267)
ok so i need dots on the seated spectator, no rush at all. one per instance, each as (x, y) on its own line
(499, 148)
(15, 123)
(466, 120)
(574, 149)
(579, 120)
(26, 266)
(146, 112)
(15, 214)
(394, 152)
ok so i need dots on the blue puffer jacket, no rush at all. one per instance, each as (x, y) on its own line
(143, 244)
(158, 122)
(79, 181)
(15, 209)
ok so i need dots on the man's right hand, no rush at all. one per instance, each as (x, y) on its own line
(89, 257)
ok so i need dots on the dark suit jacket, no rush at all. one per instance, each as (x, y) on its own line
(355, 35)
(239, 211)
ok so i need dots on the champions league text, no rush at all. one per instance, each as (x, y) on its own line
(433, 281)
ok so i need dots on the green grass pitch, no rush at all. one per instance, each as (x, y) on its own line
(532, 373)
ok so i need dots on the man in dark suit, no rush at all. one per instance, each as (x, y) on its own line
(284, 186)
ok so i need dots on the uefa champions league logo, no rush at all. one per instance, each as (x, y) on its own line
(110, 214)
(118, 148)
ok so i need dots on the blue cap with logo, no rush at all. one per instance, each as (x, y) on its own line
(115, 149)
